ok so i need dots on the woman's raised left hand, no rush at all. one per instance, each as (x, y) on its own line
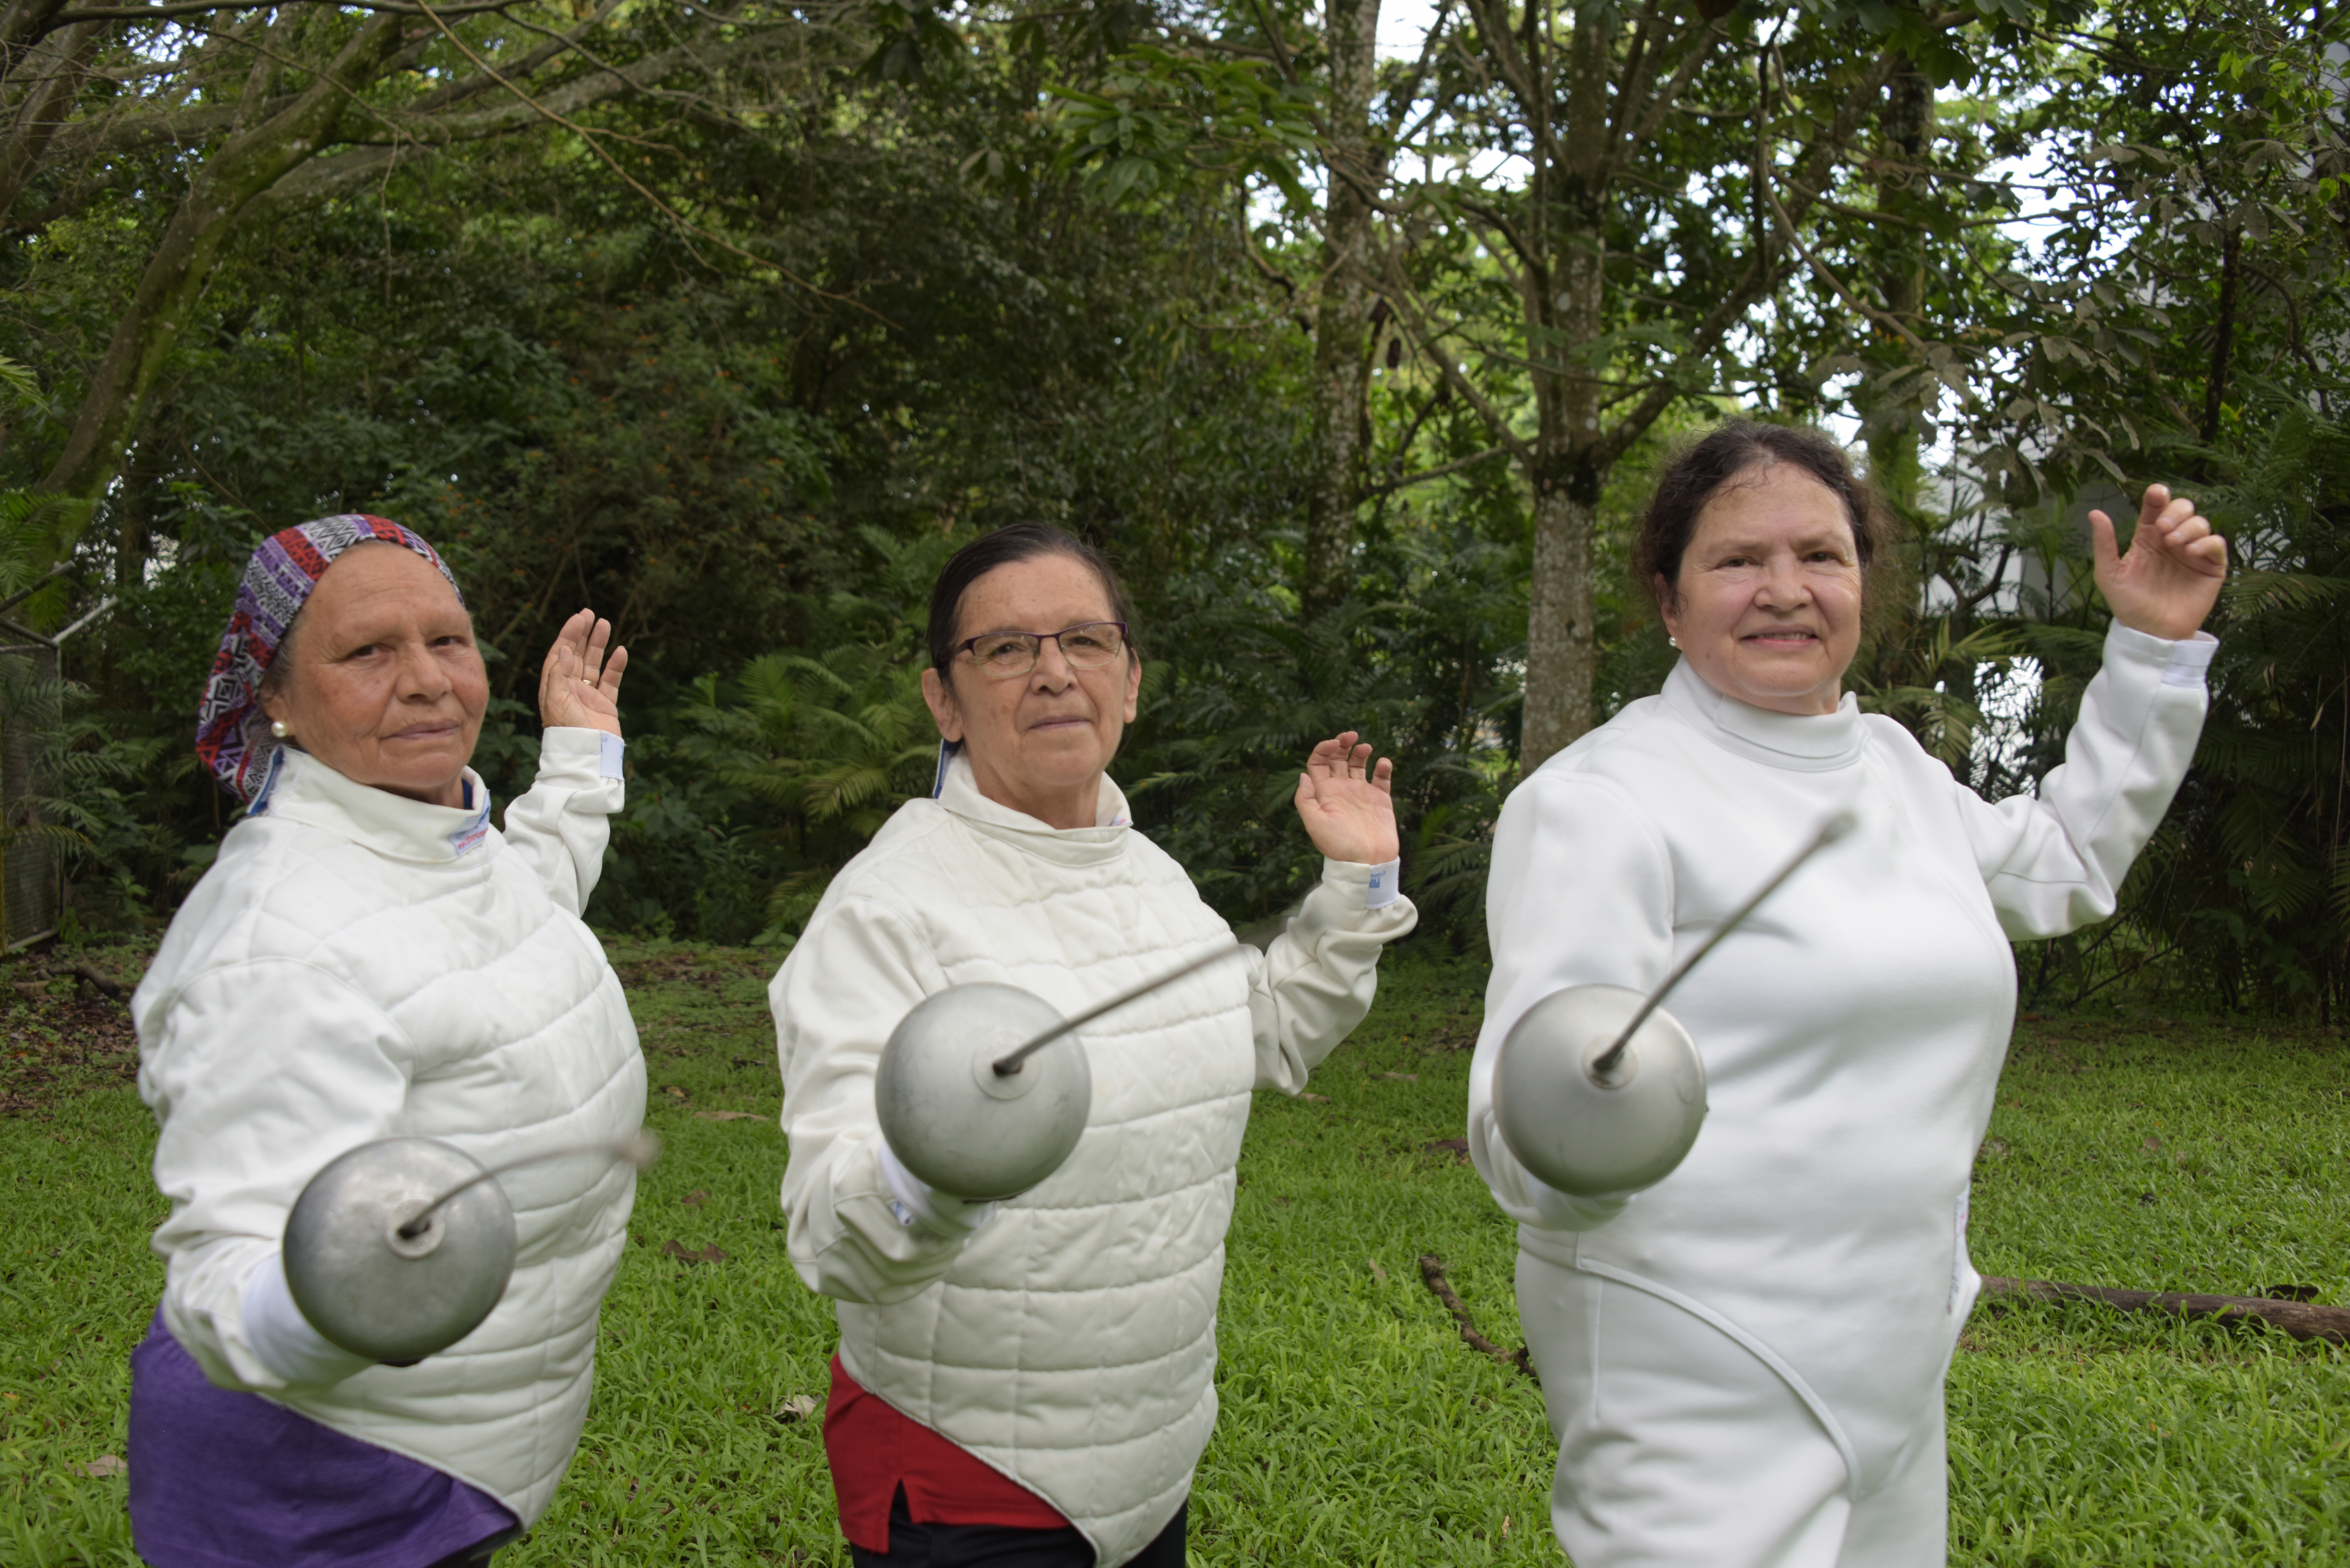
(1348, 805)
(579, 687)
(2170, 579)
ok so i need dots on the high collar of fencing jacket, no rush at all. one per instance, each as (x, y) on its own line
(1803, 743)
(958, 792)
(301, 788)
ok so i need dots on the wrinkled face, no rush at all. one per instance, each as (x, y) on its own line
(1054, 729)
(1768, 606)
(382, 681)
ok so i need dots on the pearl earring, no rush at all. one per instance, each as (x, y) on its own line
(1673, 641)
(278, 728)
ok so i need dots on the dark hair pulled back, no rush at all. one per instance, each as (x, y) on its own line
(1020, 542)
(1733, 450)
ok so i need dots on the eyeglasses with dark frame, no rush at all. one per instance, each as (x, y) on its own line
(1007, 654)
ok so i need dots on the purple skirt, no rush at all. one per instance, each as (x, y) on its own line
(221, 1479)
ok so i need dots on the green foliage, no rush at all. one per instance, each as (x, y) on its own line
(926, 272)
(1162, 117)
(2250, 879)
(749, 792)
(833, 744)
(1238, 692)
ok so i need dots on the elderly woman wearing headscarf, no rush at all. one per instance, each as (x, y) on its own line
(370, 957)
(1029, 1383)
(1744, 1362)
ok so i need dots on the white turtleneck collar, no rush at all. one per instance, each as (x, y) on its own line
(1805, 743)
(301, 788)
(958, 791)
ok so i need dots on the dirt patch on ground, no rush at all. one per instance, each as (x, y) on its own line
(711, 970)
(64, 1025)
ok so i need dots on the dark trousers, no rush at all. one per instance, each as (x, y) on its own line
(479, 1552)
(915, 1545)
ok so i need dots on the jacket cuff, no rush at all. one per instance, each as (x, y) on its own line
(586, 766)
(1346, 901)
(2181, 663)
(578, 756)
(282, 1339)
(1564, 1211)
(919, 1205)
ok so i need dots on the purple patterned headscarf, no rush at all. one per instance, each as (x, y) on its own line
(277, 581)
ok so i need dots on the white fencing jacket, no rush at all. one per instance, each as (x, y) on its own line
(1070, 1341)
(357, 965)
(1853, 1029)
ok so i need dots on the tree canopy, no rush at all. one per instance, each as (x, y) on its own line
(734, 322)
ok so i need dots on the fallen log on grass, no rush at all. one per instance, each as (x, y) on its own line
(1432, 1274)
(2300, 1319)
(2303, 1320)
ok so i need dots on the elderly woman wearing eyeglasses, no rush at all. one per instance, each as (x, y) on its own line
(1031, 1381)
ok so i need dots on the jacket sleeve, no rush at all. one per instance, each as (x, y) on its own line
(852, 976)
(2056, 860)
(1581, 893)
(1315, 983)
(259, 1074)
(561, 826)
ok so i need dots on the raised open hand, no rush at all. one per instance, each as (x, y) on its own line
(579, 687)
(2170, 579)
(1348, 805)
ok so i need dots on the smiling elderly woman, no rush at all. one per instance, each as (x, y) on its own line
(1029, 1383)
(1744, 1362)
(369, 957)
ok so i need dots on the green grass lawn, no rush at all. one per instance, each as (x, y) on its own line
(1357, 1427)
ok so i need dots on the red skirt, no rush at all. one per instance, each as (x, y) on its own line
(874, 1450)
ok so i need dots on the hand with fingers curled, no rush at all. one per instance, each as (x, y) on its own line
(579, 684)
(1347, 804)
(2168, 583)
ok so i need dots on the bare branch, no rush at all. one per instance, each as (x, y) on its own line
(1826, 274)
(1399, 292)
(1662, 103)
(1422, 477)
(198, 7)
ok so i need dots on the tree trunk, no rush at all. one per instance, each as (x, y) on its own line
(1561, 654)
(1342, 345)
(1893, 422)
(1566, 313)
(255, 158)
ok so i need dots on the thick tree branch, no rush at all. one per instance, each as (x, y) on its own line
(198, 7)
(247, 164)
(45, 109)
